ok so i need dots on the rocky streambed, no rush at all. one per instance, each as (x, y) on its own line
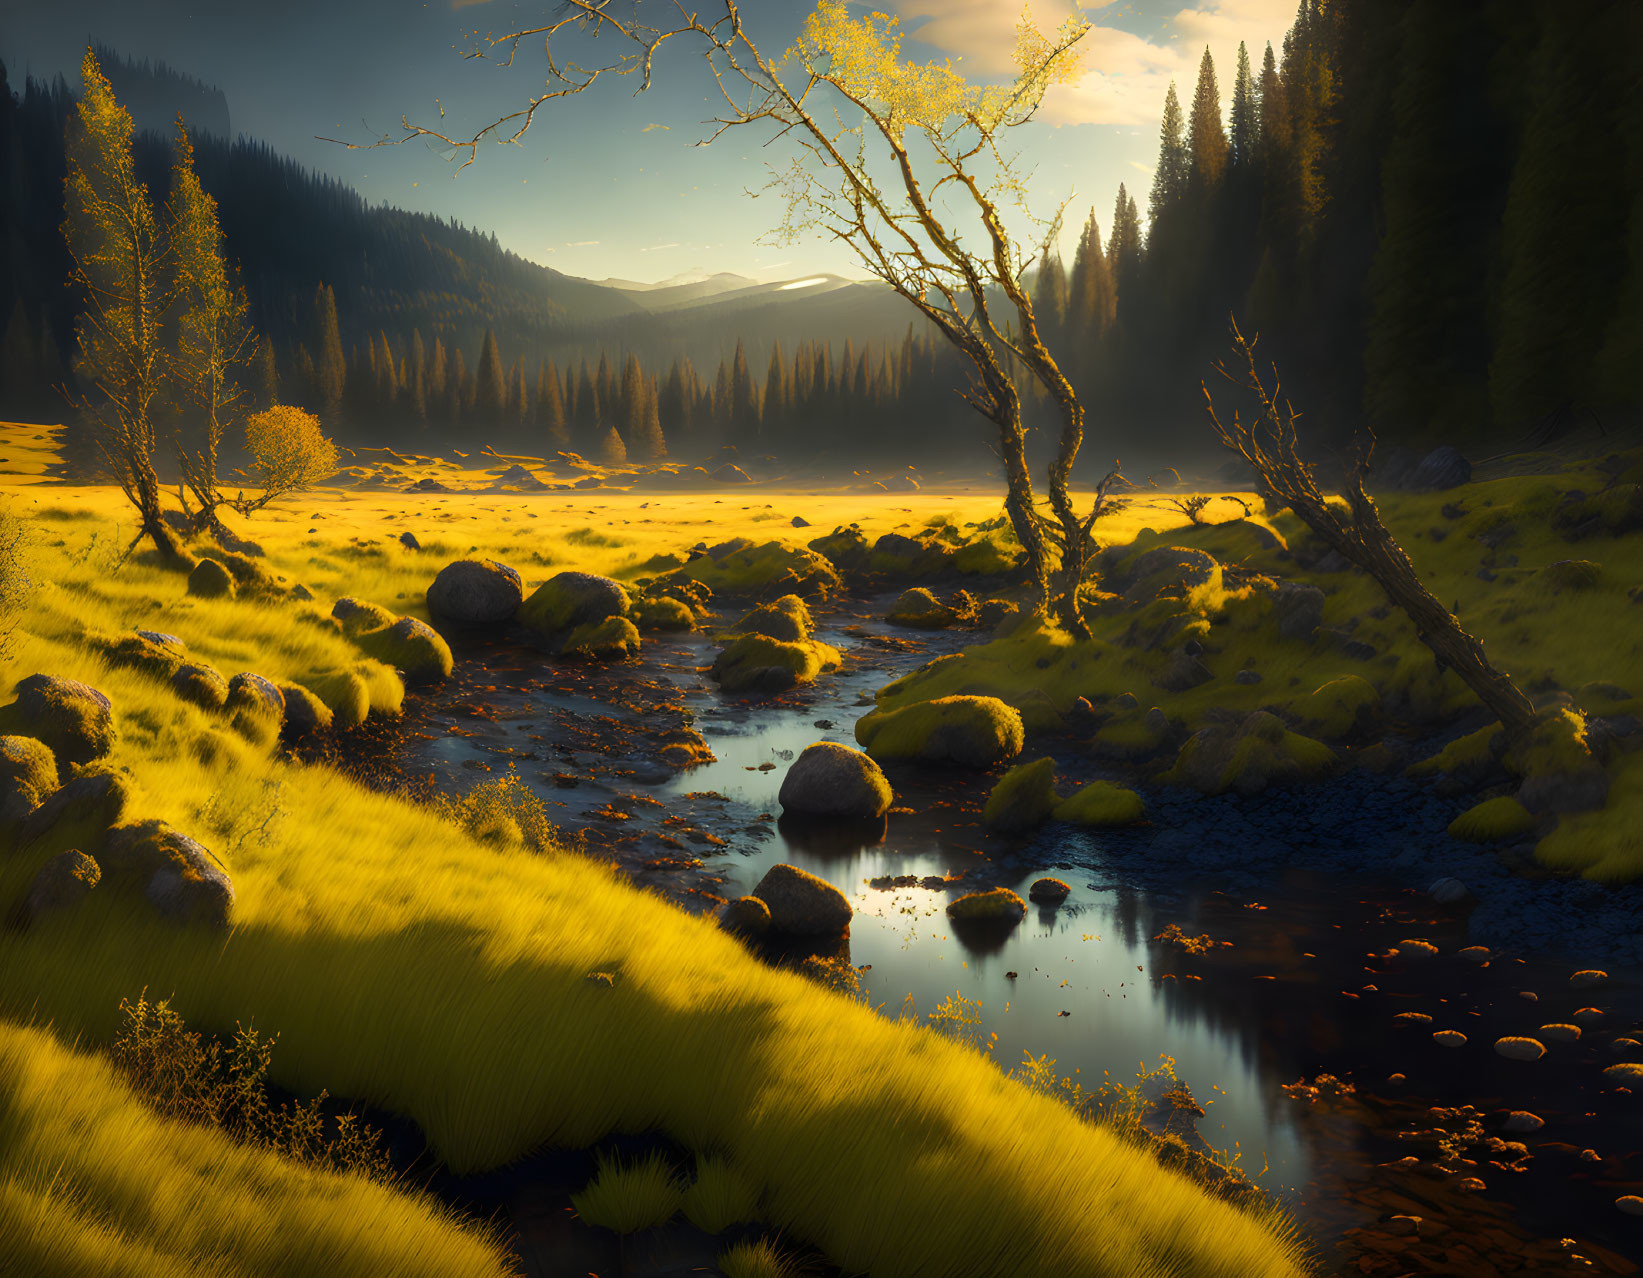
(1334, 1017)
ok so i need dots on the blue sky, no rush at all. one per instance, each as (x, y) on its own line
(609, 183)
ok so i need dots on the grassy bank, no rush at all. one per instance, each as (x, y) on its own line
(405, 965)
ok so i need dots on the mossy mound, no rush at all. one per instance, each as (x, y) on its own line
(1049, 891)
(180, 879)
(787, 619)
(760, 569)
(1023, 798)
(80, 813)
(984, 557)
(344, 693)
(357, 615)
(663, 613)
(201, 684)
(72, 718)
(1249, 757)
(845, 548)
(570, 600)
(28, 776)
(304, 711)
(758, 663)
(1497, 820)
(210, 580)
(973, 732)
(1606, 845)
(919, 609)
(613, 639)
(1101, 804)
(1554, 759)
(1570, 574)
(1469, 758)
(899, 557)
(156, 655)
(997, 905)
(1344, 707)
(746, 916)
(1133, 734)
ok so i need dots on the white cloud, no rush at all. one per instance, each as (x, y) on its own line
(1126, 75)
(657, 247)
(580, 243)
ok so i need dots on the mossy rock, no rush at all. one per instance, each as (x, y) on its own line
(1250, 757)
(1558, 770)
(745, 916)
(758, 663)
(997, 905)
(834, 782)
(304, 711)
(254, 693)
(973, 732)
(358, 616)
(81, 811)
(28, 776)
(1023, 798)
(572, 600)
(984, 557)
(1607, 845)
(157, 655)
(919, 609)
(1570, 574)
(1134, 733)
(846, 548)
(409, 645)
(995, 613)
(62, 883)
(476, 592)
(1469, 759)
(761, 569)
(1498, 820)
(344, 693)
(1613, 511)
(1049, 891)
(210, 580)
(900, 557)
(200, 684)
(802, 904)
(613, 639)
(663, 614)
(74, 719)
(177, 876)
(787, 619)
(1345, 707)
(1101, 804)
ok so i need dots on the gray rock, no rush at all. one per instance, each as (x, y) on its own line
(831, 780)
(1125, 701)
(1299, 609)
(799, 521)
(64, 881)
(1448, 891)
(1441, 468)
(476, 592)
(202, 685)
(177, 876)
(1049, 891)
(1247, 677)
(1184, 671)
(801, 904)
(253, 690)
(164, 640)
(1394, 468)
(94, 802)
(301, 593)
(1146, 576)
(994, 612)
(746, 915)
(74, 719)
(409, 541)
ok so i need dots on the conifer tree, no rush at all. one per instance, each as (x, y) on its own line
(519, 399)
(744, 402)
(585, 413)
(550, 410)
(1169, 180)
(630, 400)
(438, 371)
(1124, 245)
(456, 379)
(490, 381)
(673, 402)
(387, 376)
(605, 392)
(416, 378)
(18, 385)
(776, 391)
(1092, 300)
(265, 377)
(721, 398)
(1050, 294)
(647, 442)
(1246, 113)
(1207, 138)
(330, 365)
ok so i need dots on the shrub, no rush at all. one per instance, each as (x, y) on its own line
(720, 1196)
(755, 1258)
(504, 812)
(626, 1198)
(288, 453)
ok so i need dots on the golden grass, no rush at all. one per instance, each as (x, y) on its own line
(407, 965)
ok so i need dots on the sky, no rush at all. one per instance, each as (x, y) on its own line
(610, 183)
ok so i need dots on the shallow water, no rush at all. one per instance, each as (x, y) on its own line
(1299, 980)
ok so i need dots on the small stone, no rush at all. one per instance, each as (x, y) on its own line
(1412, 1018)
(1449, 1038)
(1049, 891)
(1590, 1156)
(1247, 676)
(1404, 1225)
(1530, 995)
(1627, 1074)
(1474, 954)
(1587, 979)
(1587, 1016)
(1519, 1049)
(1631, 1204)
(1470, 1185)
(1625, 1047)
(1417, 949)
(1521, 1120)
(1397, 1080)
(1560, 1033)
(1448, 891)
(799, 521)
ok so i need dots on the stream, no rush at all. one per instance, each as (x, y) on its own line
(1294, 1015)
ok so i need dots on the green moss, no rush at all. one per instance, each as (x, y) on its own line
(1606, 845)
(210, 580)
(1570, 574)
(901, 558)
(919, 609)
(995, 905)
(1134, 733)
(1250, 757)
(663, 614)
(613, 639)
(1471, 755)
(759, 569)
(1343, 707)
(357, 616)
(1492, 821)
(758, 663)
(345, 694)
(1101, 804)
(408, 644)
(1024, 797)
(787, 619)
(28, 764)
(1556, 744)
(161, 660)
(846, 548)
(304, 711)
(967, 730)
(984, 558)
(571, 599)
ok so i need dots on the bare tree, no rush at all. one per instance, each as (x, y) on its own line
(1267, 441)
(932, 227)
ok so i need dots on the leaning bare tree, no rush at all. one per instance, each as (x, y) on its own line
(1267, 441)
(909, 166)
(122, 259)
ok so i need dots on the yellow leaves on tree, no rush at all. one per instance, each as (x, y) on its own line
(288, 452)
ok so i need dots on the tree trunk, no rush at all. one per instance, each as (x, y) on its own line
(154, 525)
(1019, 505)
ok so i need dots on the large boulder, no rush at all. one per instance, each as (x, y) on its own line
(973, 732)
(571, 599)
(210, 580)
(409, 644)
(740, 567)
(251, 691)
(919, 609)
(1164, 570)
(201, 684)
(758, 663)
(895, 555)
(846, 548)
(1249, 757)
(613, 639)
(1443, 467)
(28, 776)
(74, 719)
(787, 619)
(476, 592)
(85, 806)
(801, 904)
(831, 780)
(64, 881)
(177, 876)
(1023, 798)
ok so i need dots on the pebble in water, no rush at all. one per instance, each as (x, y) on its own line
(1520, 1120)
(1412, 1018)
(1631, 1204)
(1417, 949)
(1560, 1033)
(1585, 980)
(1587, 1016)
(1519, 1049)
(1475, 953)
(1449, 1038)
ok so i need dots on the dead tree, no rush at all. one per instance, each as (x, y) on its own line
(1268, 442)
